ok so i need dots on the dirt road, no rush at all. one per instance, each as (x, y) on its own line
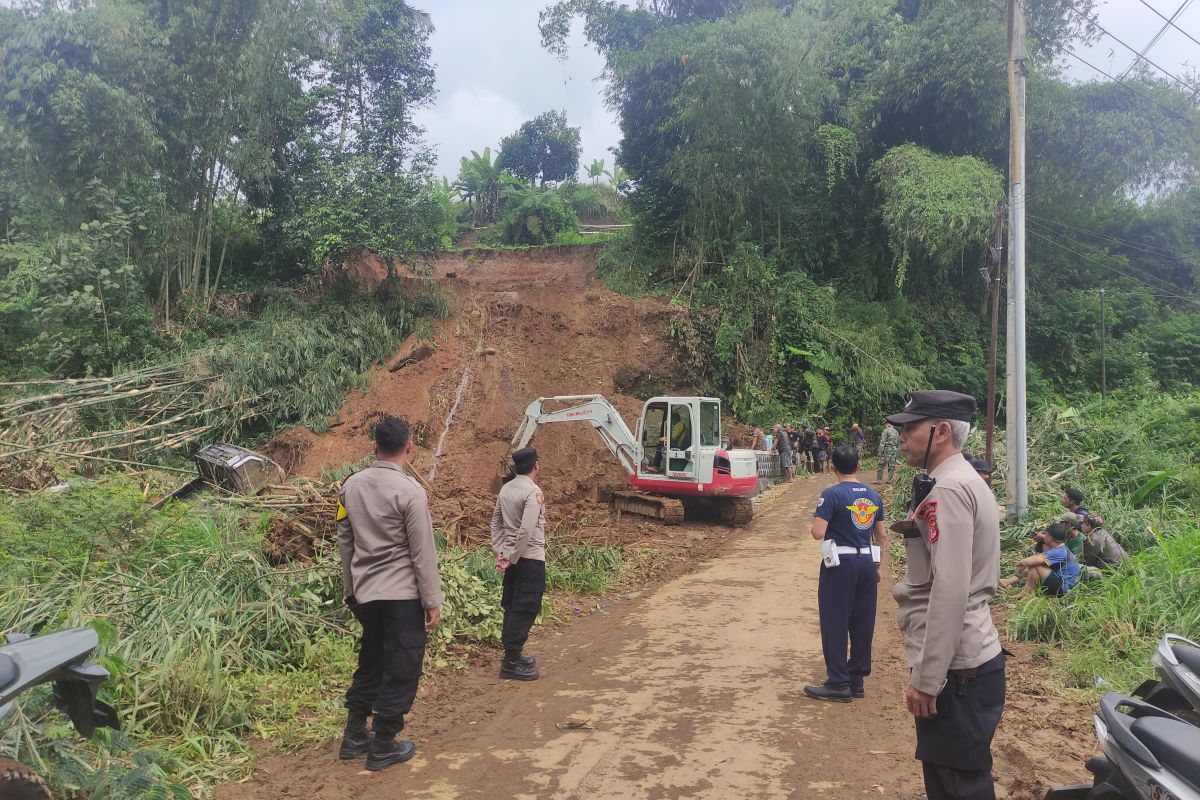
(694, 690)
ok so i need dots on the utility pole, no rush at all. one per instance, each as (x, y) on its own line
(1017, 477)
(995, 267)
(1103, 364)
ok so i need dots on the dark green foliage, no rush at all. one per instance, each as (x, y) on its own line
(546, 148)
(201, 143)
(863, 144)
(536, 216)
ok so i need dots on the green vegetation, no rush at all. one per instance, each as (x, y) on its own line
(546, 148)
(292, 364)
(1134, 459)
(210, 645)
(819, 183)
(153, 155)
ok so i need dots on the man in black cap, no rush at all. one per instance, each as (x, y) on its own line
(956, 688)
(519, 542)
(983, 468)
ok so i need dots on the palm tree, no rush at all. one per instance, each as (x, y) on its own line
(618, 175)
(479, 181)
(595, 170)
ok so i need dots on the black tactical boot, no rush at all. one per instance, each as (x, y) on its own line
(357, 739)
(514, 667)
(835, 692)
(528, 661)
(385, 752)
(858, 692)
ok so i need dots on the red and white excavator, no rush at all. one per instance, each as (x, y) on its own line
(675, 461)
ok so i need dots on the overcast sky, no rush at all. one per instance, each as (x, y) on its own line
(492, 73)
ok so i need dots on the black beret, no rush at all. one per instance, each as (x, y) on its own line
(936, 403)
(524, 457)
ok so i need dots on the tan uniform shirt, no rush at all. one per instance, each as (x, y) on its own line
(519, 521)
(953, 570)
(385, 538)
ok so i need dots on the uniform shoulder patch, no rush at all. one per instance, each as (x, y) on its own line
(929, 514)
(341, 512)
(540, 500)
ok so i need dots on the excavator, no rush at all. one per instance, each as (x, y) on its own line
(675, 461)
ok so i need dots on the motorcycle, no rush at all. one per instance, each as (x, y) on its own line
(1177, 662)
(1149, 754)
(59, 658)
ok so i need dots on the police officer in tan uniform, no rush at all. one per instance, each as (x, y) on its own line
(956, 688)
(519, 543)
(390, 575)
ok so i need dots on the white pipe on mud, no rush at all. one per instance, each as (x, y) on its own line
(458, 394)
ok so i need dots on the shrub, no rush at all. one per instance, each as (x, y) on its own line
(536, 217)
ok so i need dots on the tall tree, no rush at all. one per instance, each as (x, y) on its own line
(546, 148)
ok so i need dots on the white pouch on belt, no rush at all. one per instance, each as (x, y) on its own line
(875, 553)
(829, 553)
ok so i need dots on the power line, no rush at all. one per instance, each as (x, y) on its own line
(1056, 243)
(1170, 21)
(1157, 36)
(1155, 251)
(1069, 52)
(1138, 56)
(1167, 285)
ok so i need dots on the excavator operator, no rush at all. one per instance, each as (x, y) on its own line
(681, 431)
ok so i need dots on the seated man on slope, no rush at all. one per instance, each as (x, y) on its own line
(1055, 570)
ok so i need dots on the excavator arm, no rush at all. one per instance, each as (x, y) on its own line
(593, 409)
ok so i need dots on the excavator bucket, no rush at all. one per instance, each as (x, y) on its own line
(504, 473)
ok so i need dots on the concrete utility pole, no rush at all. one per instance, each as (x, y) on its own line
(1017, 477)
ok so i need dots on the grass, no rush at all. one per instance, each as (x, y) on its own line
(210, 646)
(1134, 459)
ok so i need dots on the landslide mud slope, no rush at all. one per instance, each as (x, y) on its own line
(525, 324)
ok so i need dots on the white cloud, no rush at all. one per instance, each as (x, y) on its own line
(468, 120)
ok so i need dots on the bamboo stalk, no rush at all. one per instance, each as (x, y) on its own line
(66, 454)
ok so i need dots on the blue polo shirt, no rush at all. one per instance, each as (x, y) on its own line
(851, 509)
(1062, 563)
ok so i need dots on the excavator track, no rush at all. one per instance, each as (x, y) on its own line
(737, 511)
(19, 782)
(664, 509)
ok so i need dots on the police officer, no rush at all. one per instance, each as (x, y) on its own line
(956, 688)
(847, 515)
(390, 576)
(519, 543)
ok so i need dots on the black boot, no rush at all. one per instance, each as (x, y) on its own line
(528, 661)
(835, 692)
(515, 667)
(357, 739)
(857, 691)
(385, 752)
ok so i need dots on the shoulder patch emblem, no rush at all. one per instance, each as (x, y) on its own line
(929, 514)
(341, 512)
(540, 500)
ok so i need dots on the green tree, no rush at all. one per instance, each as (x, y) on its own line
(546, 148)
(480, 179)
(595, 170)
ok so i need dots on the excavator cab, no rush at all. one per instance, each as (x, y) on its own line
(679, 438)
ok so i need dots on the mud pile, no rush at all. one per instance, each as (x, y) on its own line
(526, 324)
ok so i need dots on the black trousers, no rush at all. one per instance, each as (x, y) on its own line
(390, 655)
(846, 599)
(524, 585)
(955, 747)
